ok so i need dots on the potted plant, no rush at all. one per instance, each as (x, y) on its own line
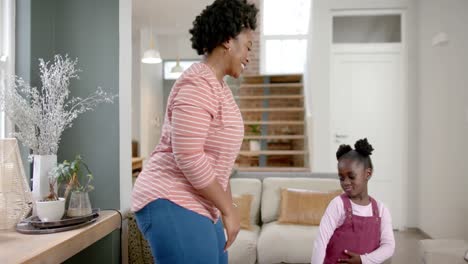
(254, 144)
(51, 207)
(77, 178)
(40, 115)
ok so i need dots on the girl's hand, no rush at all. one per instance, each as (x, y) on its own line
(231, 223)
(353, 258)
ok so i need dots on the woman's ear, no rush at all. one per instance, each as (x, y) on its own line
(227, 44)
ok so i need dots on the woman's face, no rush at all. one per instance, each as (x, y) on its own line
(353, 177)
(239, 53)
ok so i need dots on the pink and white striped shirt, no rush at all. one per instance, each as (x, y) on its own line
(334, 217)
(201, 137)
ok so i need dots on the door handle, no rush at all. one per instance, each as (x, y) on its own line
(338, 136)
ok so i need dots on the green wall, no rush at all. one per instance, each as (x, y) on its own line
(88, 30)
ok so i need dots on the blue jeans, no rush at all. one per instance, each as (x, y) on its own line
(178, 236)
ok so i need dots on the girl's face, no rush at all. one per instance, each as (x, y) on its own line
(239, 52)
(353, 177)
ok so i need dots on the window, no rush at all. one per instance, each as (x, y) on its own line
(169, 64)
(6, 52)
(284, 36)
(367, 29)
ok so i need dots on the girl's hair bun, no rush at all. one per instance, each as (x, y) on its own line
(343, 149)
(363, 147)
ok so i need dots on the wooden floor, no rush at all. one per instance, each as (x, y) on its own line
(406, 248)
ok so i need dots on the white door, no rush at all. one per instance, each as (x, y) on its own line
(368, 100)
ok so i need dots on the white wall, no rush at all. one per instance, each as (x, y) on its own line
(443, 122)
(412, 217)
(317, 86)
(438, 109)
(317, 73)
(136, 61)
(176, 44)
(125, 103)
(151, 99)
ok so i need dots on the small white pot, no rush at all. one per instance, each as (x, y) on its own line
(254, 145)
(49, 211)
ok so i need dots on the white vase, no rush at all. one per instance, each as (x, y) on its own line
(49, 211)
(42, 166)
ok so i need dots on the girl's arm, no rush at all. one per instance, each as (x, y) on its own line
(332, 218)
(387, 241)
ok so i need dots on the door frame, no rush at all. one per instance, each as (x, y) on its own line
(402, 48)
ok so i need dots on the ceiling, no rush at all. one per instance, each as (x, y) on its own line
(172, 17)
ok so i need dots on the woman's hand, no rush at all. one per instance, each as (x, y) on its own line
(353, 258)
(231, 223)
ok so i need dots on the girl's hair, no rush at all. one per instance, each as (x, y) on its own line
(220, 21)
(361, 153)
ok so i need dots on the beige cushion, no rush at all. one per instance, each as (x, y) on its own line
(244, 248)
(253, 187)
(280, 243)
(304, 207)
(434, 251)
(271, 192)
(243, 203)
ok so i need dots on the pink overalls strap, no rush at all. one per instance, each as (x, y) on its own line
(347, 207)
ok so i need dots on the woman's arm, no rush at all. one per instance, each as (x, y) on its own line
(330, 221)
(387, 241)
(192, 113)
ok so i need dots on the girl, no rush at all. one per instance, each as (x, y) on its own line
(355, 228)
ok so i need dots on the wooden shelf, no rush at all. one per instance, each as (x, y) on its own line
(275, 102)
(272, 152)
(274, 169)
(281, 76)
(271, 85)
(265, 97)
(275, 137)
(278, 109)
(274, 122)
(56, 247)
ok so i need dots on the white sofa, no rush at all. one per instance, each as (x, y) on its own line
(271, 242)
(435, 251)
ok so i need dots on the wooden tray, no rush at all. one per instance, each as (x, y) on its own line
(26, 226)
(65, 221)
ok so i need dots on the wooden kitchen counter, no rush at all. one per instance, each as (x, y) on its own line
(58, 247)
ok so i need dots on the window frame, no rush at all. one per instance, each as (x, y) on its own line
(7, 54)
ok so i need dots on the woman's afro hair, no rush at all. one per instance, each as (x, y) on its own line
(220, 21)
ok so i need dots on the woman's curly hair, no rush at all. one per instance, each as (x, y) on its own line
(220, 21)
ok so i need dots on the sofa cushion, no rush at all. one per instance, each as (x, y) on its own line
(434, 251)
(243, 203)
(304, 207)
(271, 192)
(285, 243)
(244, 248)
(253, 187)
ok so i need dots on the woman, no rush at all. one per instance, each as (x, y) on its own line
(183, 191)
